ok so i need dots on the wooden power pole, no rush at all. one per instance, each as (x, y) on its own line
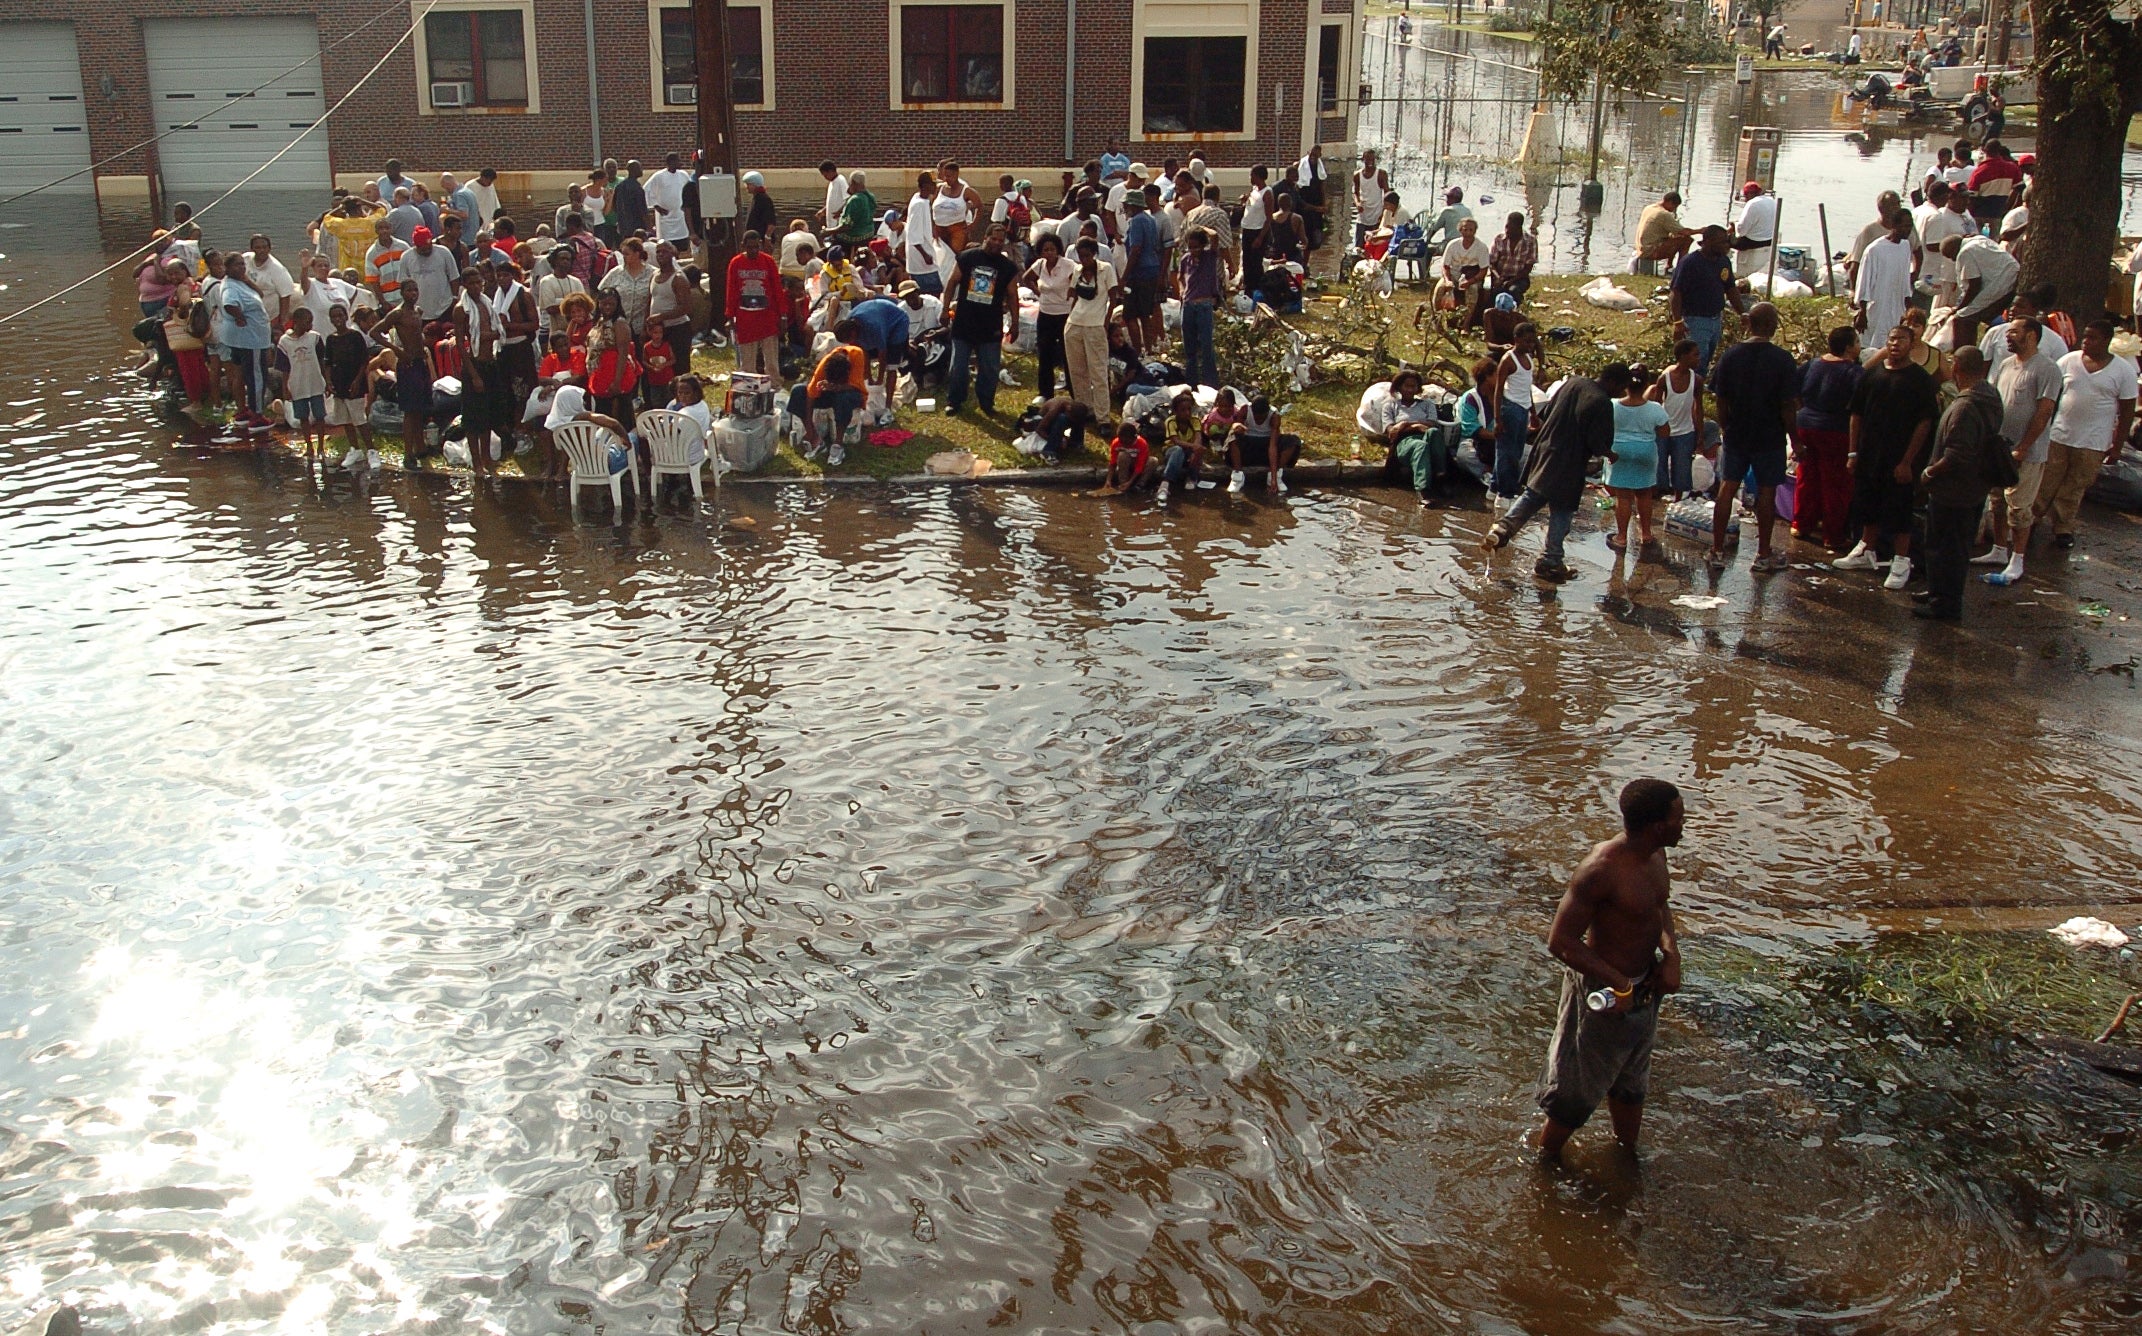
(717, 123)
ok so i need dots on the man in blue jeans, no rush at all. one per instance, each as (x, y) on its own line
(982, 311)
(1702, 285)
(1197, 286)
(1579, 426)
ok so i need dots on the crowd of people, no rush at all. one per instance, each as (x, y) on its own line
(425, 306)
(1957, 415)
(438, 304)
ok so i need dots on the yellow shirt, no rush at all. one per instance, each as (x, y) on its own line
(353, 237)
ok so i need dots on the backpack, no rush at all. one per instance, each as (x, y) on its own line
(1018, 212)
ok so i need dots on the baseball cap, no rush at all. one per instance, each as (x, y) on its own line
(420, 236)
(1140, 169)
(1751, 190)
(910, 289)
(754, 179)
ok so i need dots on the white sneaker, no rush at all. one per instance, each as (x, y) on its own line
(1279, 480)
(1859, 558)
(351, 460)
(1160, 498)
(1899, 573)
(371, 460)
(835, 456)
(1996, 557)
(1236, 481)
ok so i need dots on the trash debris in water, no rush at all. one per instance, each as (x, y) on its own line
(2093, 609)
(2090, 932)
(1700, 602)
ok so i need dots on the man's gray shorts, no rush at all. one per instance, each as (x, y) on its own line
(1596, 1055)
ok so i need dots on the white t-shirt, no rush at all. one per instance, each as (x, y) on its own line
(1994, 344)
(486, 198)
(1089, 311)
(836, 199)
(1985, 260)
(2090, 401)
(307, 378)
(1935, 227)
(922, 248)
(1458, 257)
(923, 319)
(271, 280)
(1052, 287)
(320, 297)
(551, 291)
(2016, 219)
(666, 190)
(1758, 219)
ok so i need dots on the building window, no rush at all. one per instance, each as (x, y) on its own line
(679, 46)
(1193, 85)
(952, 53)
(476, 58)
(1328, 63)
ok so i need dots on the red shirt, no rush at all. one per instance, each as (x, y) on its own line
(1993, 169)
(757, 300)
(1141, 454)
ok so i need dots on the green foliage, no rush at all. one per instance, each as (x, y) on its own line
(2073, 38)
(1510, 21)
(1629, 43)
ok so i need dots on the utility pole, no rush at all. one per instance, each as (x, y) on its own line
(1593, 194)
(717, 122)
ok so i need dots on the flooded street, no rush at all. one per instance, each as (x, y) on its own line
(964, 909)
(1450, 107)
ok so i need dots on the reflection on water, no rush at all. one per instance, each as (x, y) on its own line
(1451, 108)
(963, 910)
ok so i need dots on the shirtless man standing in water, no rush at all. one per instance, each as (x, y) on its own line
(1613, 930)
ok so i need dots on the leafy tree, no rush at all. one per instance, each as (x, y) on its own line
(1631, 44)
(2089, 86)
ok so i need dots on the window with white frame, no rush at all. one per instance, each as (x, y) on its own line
(675, 56)
(957, 54)
(476, 56)
(1194, 69)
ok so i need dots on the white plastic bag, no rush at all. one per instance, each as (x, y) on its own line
(1604, 293)
(1030, 444)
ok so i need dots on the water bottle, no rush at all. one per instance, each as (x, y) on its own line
(1600, 999)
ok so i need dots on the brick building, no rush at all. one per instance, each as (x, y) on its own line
(542, 89)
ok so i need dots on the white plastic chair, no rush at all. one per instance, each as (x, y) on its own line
(670, 436)
(587, 445)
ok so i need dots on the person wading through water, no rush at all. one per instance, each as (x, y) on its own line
(1614, 934)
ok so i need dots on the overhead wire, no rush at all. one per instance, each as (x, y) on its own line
(228, 103)
(205, 209)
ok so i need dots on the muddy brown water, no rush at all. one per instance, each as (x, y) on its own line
(952, 910)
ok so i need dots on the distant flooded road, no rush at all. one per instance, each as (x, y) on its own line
(992, 909)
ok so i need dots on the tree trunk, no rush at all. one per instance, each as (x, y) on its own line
(2084, 105)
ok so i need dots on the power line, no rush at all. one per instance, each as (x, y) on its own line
(205, 209)
(230, 102)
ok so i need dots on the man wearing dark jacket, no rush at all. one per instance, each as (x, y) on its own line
(1963, 471)
(1578, 429)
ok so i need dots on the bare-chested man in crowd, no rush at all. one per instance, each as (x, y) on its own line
(1614, 932)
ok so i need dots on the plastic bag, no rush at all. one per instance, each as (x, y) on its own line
(1030, 444)
(1603, 292)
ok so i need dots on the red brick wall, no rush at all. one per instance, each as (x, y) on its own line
(831, 90)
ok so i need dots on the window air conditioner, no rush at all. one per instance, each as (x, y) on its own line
(453, 94)
(681, 95)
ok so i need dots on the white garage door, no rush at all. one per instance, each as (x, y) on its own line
(197, 65)
(44, 130)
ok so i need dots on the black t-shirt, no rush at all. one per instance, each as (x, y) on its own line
(1756, 379)
(348, 353)
(1890, 405)
(990, 283)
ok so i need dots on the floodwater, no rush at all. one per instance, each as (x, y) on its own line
(1451, 107)
(966, 909)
